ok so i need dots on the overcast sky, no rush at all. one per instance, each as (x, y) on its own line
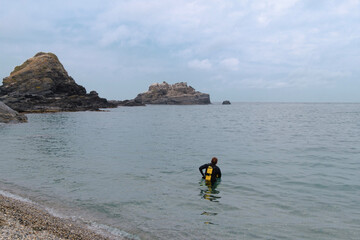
(241, 50)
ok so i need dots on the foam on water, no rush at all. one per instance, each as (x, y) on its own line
(16, 197)
(99, 228)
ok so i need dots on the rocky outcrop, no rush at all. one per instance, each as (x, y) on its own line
(178, 93)
(8, 115)
(226, 102)
(41, 84)
(127, 103)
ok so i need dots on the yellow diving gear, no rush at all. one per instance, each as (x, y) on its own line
(208, 173)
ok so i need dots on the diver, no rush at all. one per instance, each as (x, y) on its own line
(212, 172)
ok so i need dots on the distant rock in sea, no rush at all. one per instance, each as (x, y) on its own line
(226, 102)
(41, 84)
(178, 93)
(8, 115)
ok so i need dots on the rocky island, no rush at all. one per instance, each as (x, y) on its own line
(174, 94)
(41, 84)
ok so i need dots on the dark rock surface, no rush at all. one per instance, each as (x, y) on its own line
(226, 102)
(127, 103)
(8, 115)
(41, 84)
(178, 93)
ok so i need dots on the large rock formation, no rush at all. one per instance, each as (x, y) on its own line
(41, 84)
(178, 93)
(8, 115)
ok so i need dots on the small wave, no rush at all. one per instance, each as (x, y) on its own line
(96, 227)
(105, 229)
(16, 197)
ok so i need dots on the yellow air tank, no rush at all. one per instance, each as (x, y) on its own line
(209, 171)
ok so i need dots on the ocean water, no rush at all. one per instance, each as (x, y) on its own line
(290, 170)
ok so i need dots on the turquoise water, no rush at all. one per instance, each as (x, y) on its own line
(290, 171)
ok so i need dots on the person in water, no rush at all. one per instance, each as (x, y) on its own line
(212, 172)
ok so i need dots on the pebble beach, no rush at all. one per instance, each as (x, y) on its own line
(22, 220)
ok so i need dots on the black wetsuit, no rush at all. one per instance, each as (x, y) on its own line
(216, 173)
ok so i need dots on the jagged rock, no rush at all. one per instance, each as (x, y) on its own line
(178, 93)
(41, 84)
(8, 115)
(226, 102)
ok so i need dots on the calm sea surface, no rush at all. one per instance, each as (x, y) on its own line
(290, 171)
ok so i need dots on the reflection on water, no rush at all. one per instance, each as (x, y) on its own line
(208, 191)
(209, 214)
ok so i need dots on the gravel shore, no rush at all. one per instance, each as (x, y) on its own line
(22, 220)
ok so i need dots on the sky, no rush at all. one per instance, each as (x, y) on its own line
(237, 50)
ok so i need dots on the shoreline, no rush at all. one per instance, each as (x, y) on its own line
(25, 220)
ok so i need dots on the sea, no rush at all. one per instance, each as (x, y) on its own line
(289, 170)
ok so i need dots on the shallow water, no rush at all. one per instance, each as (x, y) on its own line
(290, 171)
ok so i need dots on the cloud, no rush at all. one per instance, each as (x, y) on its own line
(310, 77)
(346, 7)
(200, 64)
(299, 78)
(172, 23)
(259, 44)
(261, 83)
(120, 33)
(267, 10)
(230, 64)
